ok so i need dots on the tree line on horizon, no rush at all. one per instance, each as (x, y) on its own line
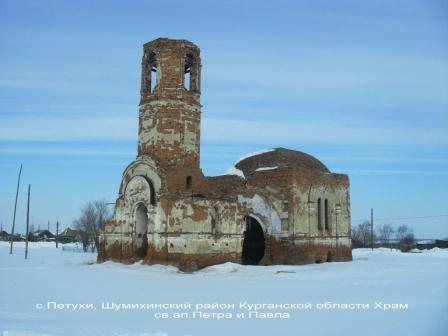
(384, 236)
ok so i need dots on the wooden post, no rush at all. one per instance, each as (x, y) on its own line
(27, 221)
(57, 233)
(15, 208)
(371, 228)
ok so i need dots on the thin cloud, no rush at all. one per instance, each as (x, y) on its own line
(69, 129)
(225, 131)
(395, 172)
(64, 151)
(355, 158)
(267, 131)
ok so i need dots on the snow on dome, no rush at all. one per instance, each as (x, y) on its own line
(280, 158)
(254, 154)
(235, 171)
(274, 158)
(266, 168)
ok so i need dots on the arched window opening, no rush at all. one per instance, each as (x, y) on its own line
(188, 80)
(189, 182)
(327, 217)
(253, 243)
(319, 214)
(152, 73)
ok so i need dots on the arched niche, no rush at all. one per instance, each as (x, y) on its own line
(139, 189)
(141, 229)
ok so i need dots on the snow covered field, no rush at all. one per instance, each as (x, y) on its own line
(82, 289)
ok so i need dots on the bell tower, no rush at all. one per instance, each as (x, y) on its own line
(170, 110)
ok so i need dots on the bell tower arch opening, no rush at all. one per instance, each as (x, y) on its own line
(253, 243)
(190, 73)
(141, 230)
(152, 75)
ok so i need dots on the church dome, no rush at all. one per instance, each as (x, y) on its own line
(280, 158)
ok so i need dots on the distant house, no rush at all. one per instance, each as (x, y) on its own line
(9, 237)
(441, 243)
(426, 244)
(41, 235)
(70, 236)
(4, 235)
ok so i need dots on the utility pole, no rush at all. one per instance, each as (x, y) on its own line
(371, 227)
(15, 208)
(57, 233)
(27, 221)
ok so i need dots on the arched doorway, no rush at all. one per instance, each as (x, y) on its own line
(253, 243)
(141, 227)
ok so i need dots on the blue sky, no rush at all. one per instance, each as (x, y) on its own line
(361, 85)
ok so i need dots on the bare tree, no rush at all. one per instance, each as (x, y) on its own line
(83, 235)
(402, 230)
(93, 216)
(405, 237)
(361, 235)
(385, 233)
(356, 237)
(102, 212)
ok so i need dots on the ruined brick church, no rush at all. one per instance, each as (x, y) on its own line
(280, 206)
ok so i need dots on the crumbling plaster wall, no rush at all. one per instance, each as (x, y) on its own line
(187, 230)
(169, 130)
(294, 195)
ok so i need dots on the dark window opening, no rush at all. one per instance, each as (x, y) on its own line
(285, 224)
(189, 182)
(141, 228)
(319, 214)
(329, 257)
(188, 80)
(327, 217)
(253, 243)
(152, 73)
(213, 225)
